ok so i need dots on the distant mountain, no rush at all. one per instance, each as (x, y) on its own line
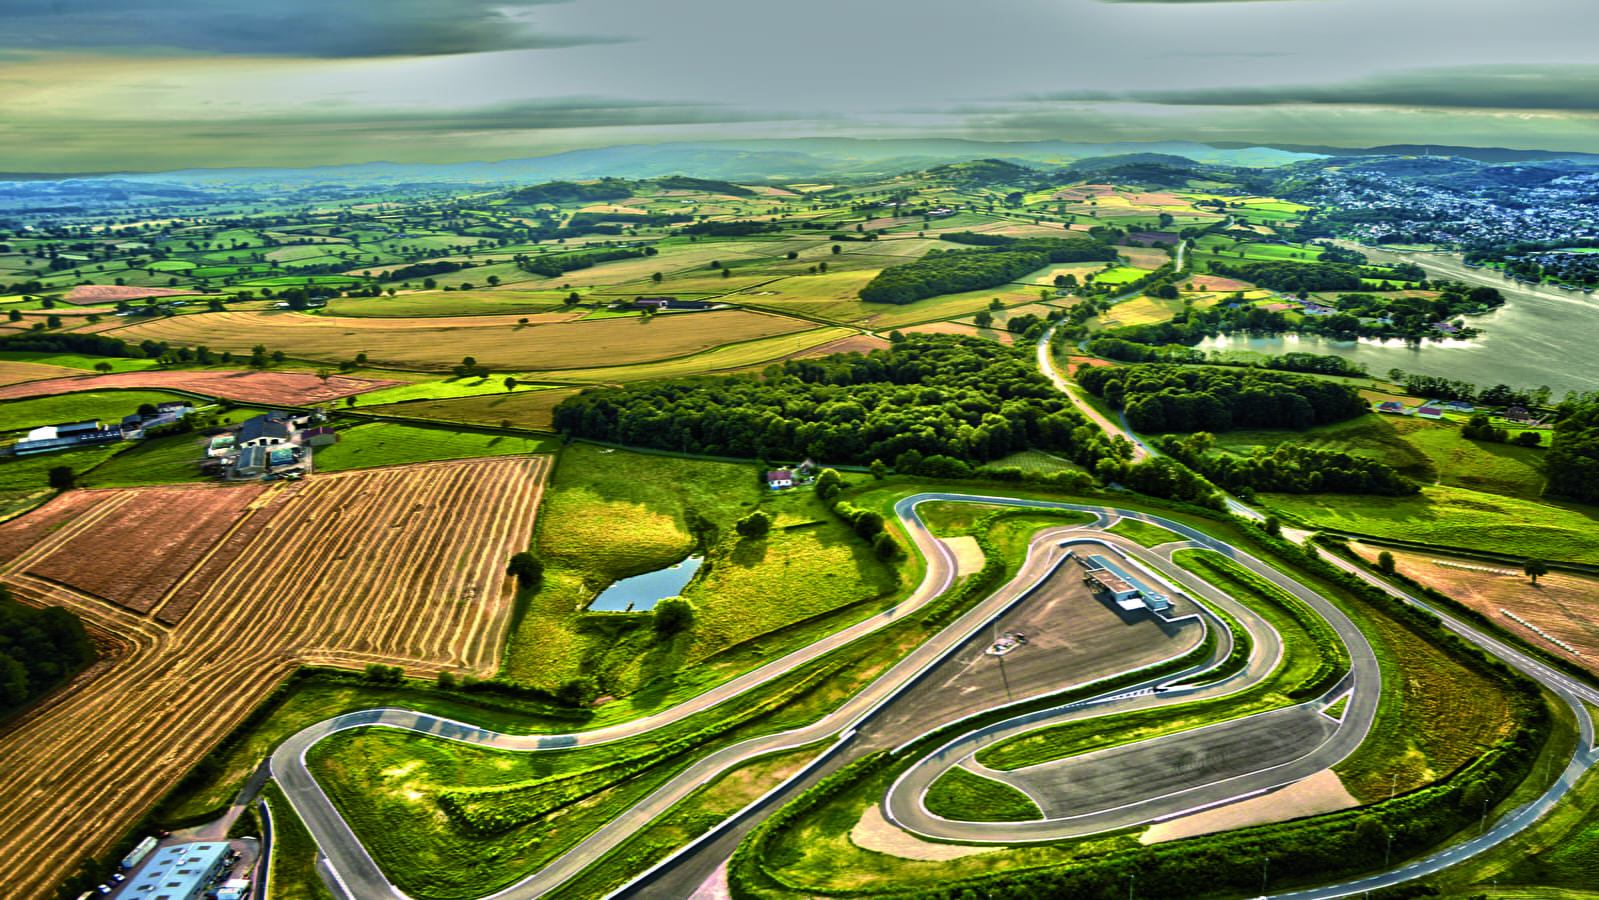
(1480, 154)
(778, 159)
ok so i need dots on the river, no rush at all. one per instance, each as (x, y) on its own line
(1541, 336)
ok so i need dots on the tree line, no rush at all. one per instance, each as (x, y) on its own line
(1572, 462)
(1161, 398)
(39, 648)
(954, 271)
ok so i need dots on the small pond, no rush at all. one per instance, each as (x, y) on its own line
(642, 592)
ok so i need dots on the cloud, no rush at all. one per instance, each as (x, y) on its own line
(1528, 87)
(519, 115)
(308, 28)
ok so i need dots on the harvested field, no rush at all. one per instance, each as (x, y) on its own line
(18, 535)
(150, 538)
(522, 409)
(1217, 283)
(85, 294)
(22, 372)
(1004, 337)
(503, 345)
(1564, 605)
(401, 566)
(860, 343)
(268, 388)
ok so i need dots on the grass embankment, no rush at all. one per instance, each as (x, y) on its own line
(967, 797)
(392, 444)
(294, 853)
(445, 389)
(610, 514)
(1307, 663)
(1143, 533)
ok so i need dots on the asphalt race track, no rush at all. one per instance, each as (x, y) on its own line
(1138, 783)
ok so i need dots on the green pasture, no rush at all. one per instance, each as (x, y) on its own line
(106, 406)
(611, 514)
(392, 444)
(26, 474)
(166, 460)
(445, 389)
(1456, 517)
(78, 361)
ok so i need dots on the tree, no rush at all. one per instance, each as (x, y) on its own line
(879, 469)
(656, 277)
(1385, 563)
(983, 319)
(53, 321)
(885, 546)
(837, 249)
(828, 477)
(754, 525)
(62, 478)
(1532, 568)
(1273, 526)
(103, 368)
(673, 615)
(526, 568)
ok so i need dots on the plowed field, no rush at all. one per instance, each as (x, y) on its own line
(105, 293)
(502, 345)
(401, 566)
(270, 388)
(142, 541)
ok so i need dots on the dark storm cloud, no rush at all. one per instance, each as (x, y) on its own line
(310, 28)
(1569, 87)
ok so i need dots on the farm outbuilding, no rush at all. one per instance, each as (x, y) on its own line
(320, 437)
(251, 461)
(777, 479)
(179, 872)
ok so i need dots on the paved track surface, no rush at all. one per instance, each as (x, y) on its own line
(852, 722)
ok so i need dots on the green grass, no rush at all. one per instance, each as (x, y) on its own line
(294, 853)
(1036, 461)
(164, 460)
(1337, 709)
(950, 518)
(1454, 517)
(30, 473)
(1143, 533)
(390, 444)
(614, 314)
(106, 406)
(445, 389)
(79, 360)
(728, 358)
(963, 796)
(611, 514)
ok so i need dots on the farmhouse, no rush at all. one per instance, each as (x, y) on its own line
(179, 872)
(777, 479)
(1128, 592)
(1430, 412)
(263, 431)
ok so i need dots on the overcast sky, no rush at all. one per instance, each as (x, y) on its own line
(103, 85)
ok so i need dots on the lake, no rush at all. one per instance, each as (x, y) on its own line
(642, 592)
(1541, 336)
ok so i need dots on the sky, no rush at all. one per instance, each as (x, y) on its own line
(155, 85)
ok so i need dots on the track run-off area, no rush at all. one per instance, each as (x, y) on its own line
(1249, 755)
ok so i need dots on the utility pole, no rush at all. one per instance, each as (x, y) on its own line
(1265, 866)
(1389, 855)
(1484, 817)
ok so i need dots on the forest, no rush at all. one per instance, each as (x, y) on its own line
(926, 396)
(1295, 276)
(1288, 469)
(954, 271)
(1160, 397)
(38, 649)
(1572, 462)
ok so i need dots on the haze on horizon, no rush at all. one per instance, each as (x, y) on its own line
(95, 85)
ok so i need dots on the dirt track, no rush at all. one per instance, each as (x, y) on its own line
(400, 566)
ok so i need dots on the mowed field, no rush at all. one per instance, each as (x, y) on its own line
(400, 566)
(494, 341)
(21, 372)
(269, 388)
